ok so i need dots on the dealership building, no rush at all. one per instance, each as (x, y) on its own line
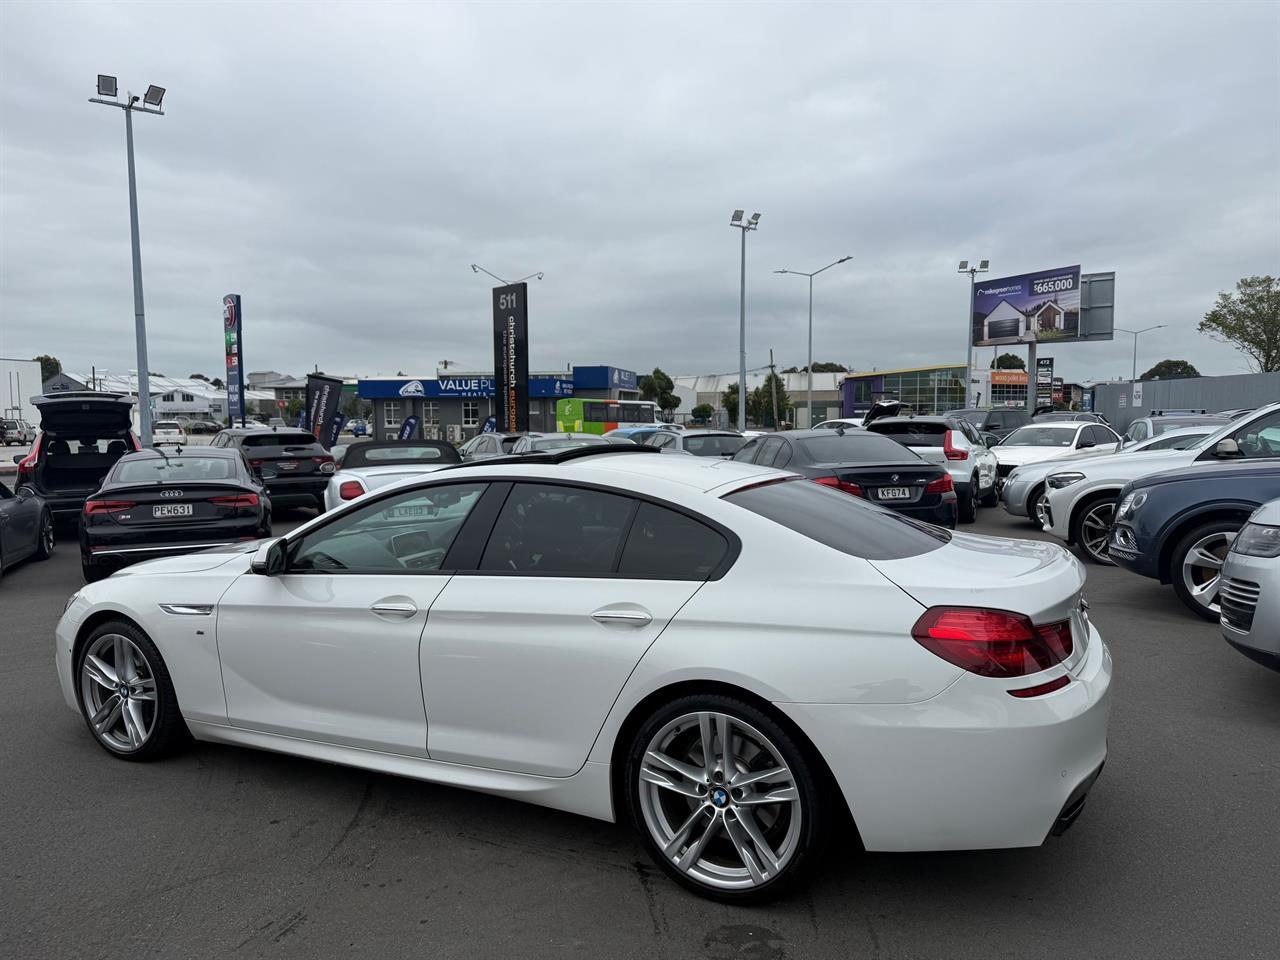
(454, 407)
(932, 389)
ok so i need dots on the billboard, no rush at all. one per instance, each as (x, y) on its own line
(231, 337)
(323, 394)
(511, 356)
(1029, 308)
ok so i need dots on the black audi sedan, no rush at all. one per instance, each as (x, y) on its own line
(157, 503)
(868, 465)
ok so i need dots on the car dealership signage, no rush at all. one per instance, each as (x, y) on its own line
(231, 339)
(511, 356)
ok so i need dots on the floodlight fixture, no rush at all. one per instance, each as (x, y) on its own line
(106, 86)
(153, 96)
(964, 265)
(983, 264)
(755, 218)
(737, 216)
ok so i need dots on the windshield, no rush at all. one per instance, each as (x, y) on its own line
(171, 469)
(714, 446)
(565, 443)
(1034, 436)
(860, 447)
(913, 433)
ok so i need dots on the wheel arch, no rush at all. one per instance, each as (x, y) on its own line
(97, 619)
(1085, 501)
(683, 688)
(1180, 526)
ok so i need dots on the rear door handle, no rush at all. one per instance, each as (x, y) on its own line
(630, 618)
(404, 610)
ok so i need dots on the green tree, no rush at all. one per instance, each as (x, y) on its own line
(705, 411)
(760, 403)
(659, 388)
(198, 376)
(217, 383)
(822, 366)
(729, 401)
(293, 408)
(1249, 320)
(49, 366)
(1009, 361)
(1166, 369)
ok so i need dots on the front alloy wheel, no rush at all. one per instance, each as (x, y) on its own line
(1093, 531)
(125, 693)
(724, 798)
(1197, 573)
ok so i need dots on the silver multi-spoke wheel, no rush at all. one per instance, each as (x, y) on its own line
(1095, 530)
(1202, 569)
(118, 690)
(1040, 508)
(719, 801)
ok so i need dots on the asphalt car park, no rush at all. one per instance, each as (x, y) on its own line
(223, 850)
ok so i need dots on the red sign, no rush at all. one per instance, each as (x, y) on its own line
(280, 404)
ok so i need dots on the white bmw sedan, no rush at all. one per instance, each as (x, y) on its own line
(375, 464)
(731, 657)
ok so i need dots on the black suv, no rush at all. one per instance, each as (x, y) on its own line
(82, 434)
(293, 465)
(1001, 422)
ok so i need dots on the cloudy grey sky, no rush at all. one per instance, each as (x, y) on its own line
(340, 165)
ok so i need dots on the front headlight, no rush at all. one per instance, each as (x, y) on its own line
(1131, 503)
(1257, 540)
(70, 600)
(1060, 480)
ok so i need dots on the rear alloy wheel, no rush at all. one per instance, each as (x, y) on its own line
(724, 800)
(1091, 529)
(125, 694)
(1196, 566)
(44, 545)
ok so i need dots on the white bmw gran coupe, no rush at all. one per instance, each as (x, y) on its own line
(731, 656)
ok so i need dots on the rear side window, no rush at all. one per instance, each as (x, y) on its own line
(747, 452)
(913, 434)
(273, 438)
(665, 545)
(848, 524)
(557, 531)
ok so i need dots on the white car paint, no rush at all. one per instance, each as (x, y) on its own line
(373, 478)
(1105, 476)
(508, 684)
(1016, 456)
(167, 432)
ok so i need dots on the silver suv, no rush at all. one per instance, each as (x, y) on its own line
(16, 431)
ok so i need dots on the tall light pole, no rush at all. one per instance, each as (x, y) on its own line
(1135, 333)
(151, 101)
(476, 268)
(968, 323)
(743, 225)
(801, 273)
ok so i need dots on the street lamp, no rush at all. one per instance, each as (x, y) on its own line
(476, 268)
(801, 273)
(968, 324)
(1135, 344)
(745, 226)
(107, 96)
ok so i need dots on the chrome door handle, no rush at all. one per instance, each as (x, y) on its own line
(394, 609)
(631, 618)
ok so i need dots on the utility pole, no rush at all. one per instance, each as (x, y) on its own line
(968, 323)
(773, 388)
(809, 368)
(752, 224)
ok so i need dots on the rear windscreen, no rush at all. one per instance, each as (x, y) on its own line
(168, 425)
(913, 434)
(840, 521)
(725, 446)
(171, 469)
(859, 447)
(274, 439)
(362, 454)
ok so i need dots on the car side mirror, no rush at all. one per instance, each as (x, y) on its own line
(1085, 443)
(19, 458)
(1227, 449)
(271, 559)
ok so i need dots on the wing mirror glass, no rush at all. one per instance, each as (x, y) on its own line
(1227, 449)
(1085, 443)
(271, 559)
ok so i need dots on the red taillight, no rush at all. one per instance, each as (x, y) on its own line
(839, 484)
(992, 643)
(27, 465)
(941, 485)
(950, 450)
(350, 490)
(256, 464)
(134, 441)
(1040, 689)
(325, 464)
(241, 500)
(92, 507)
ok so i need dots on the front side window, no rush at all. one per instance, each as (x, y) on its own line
(410, 533)
(557, 531)
(470, 413)
(665, 545)
(1260, 439)
(391, 413)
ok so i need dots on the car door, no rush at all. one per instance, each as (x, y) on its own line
(523, 657)
(1107, 441)
(328, 649)
(19, 518)
(982, 457)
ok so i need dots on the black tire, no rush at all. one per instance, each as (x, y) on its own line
(1083, 527)
(265, 530)
(168, 731)
(805, 774)
(966, 506)
(319, 504)
(991, 498)
(92, 574)
(1213, 529)
(44, 538)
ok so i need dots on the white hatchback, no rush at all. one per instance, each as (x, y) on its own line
(167, 432)
(732, 657)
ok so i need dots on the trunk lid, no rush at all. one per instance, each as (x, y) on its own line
(1041, 580)
(174, 505)
(85, 413)
(876, 481)
(385, 476)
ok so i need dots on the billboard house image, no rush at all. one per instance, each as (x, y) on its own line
(1031, 308)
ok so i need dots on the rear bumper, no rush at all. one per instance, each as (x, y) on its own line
(284, 489)
(108, 547)
(943, 514)
(972, 768)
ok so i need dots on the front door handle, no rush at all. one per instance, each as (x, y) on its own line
(630, 618)
(404, 610)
